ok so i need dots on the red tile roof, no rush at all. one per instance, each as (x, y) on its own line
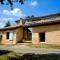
(48, 16)
(36, 24)
(44, 23)
(10, 28)
(32, 25)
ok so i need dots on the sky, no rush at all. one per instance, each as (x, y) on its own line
(30, 7)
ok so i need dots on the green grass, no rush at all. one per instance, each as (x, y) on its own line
(29, 56)
(7, 56)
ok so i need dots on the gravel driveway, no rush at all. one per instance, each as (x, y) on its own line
(25, 49)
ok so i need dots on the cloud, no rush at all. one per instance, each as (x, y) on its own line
(15, 12)
(11, 15)
(33, 3)
(6, 19)
(6, 12)
(1, 25)
(3, 21)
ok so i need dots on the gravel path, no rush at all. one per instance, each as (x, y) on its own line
(25, 49)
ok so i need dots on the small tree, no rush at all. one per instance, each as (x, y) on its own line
(28, 17)
(7, 24)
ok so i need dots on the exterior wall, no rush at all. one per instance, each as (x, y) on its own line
(53, 37)
(7, 41)
(46, 28)
(35, 38)
(52, 34)
(18, 34)
(20, 22)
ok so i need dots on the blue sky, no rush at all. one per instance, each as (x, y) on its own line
(30, 7)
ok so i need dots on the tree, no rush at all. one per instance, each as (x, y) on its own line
(10, 2)
(7, 24)
(28, 17)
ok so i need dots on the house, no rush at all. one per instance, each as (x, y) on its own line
(45, 29)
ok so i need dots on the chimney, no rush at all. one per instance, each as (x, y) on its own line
(20, 22)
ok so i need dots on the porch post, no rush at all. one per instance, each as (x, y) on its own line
(35, 38)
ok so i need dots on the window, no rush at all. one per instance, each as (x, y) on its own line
(42, 36)
(10, 35)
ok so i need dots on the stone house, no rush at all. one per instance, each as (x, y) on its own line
(45, 29)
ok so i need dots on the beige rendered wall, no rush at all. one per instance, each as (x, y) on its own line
(35, 38)
(46, 28)
(53, 37)
(7, 41)
(18, 34)
(52, 34)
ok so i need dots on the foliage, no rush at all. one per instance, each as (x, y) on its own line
(10, 2)
(28, 56)
(29, 17)
(7, 24)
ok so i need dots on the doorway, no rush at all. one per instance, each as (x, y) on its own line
(42, 36)
(27, 35)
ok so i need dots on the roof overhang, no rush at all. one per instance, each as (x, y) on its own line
(43, 23)
(10, 28)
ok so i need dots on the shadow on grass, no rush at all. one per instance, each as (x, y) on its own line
(4, 52)
(27, 56)
(37, 57)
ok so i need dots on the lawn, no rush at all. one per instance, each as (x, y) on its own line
(7, 55)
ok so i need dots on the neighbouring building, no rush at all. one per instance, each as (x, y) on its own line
(45, 29)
